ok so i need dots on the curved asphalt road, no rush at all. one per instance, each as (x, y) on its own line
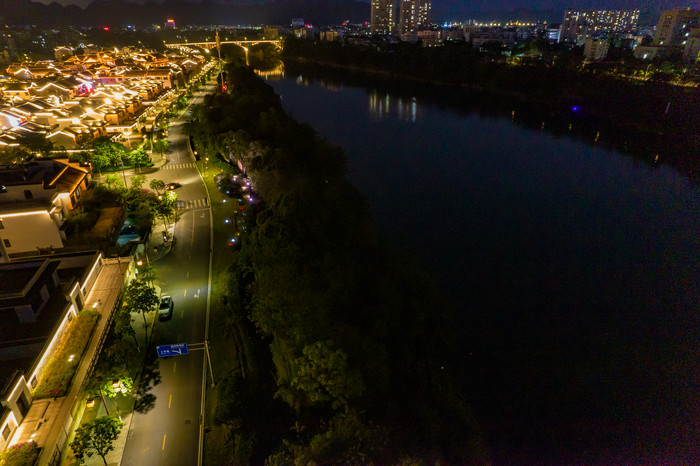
(166, 430)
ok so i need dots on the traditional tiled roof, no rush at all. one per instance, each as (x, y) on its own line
(16, 86)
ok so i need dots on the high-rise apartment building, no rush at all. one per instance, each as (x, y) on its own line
(408, 16)
(382, 16)
(425, 10)
(675, 27)
(414, 14)
(580, 25)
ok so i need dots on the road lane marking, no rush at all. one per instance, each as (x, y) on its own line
(185, 293)
(192, 240)
(170, 400)
(174, 366)
(182, 314)
(188, 274)
(163, 442)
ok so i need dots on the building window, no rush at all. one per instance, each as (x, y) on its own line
(28, 194)
(6, 242)
(6, 432)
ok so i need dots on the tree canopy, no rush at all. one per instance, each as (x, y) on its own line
(356, 335)
(97, 436)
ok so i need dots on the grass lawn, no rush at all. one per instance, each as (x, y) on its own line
(224, 359)
(228, 342)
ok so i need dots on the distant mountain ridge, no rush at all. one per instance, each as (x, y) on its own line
(116, 13)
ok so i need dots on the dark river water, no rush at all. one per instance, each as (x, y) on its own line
(573, 269)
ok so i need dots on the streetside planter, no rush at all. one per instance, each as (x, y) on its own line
(58, 373)
(21, 454)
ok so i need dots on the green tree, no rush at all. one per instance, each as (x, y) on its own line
(114, 182)
(138, 181)
(148, 273)
(37, 143)
(140, 297)
(99, 160)
(123, 327)
(139, 156)
(120, 352)
(110, 152)
(13, 155)
(161, 146)
(322, 373)
(165, 208)
(97, 436)
(157, 185)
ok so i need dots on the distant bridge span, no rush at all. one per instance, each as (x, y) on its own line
(244, 44)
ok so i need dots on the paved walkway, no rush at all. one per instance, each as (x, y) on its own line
(114, 457)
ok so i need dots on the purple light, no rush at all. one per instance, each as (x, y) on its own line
(575, 109)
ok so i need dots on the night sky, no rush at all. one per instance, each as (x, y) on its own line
(498, 5)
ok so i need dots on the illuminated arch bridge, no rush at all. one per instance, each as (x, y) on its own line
(211, 45)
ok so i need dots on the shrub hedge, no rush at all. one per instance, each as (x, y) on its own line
(22, 454)
(58, 373)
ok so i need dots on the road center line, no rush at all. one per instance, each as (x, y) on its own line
(188, 274)
(192, 239)
(163, 442)
(174, 366)
(185, 293)
(170, 400)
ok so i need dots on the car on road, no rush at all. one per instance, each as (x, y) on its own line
(171, 186)
(165, 309)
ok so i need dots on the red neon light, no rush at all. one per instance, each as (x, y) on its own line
(106, 28)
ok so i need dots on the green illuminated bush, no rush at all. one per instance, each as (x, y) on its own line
(56, 376)
(22, 454)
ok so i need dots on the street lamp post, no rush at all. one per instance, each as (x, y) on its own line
(123, 174)
(118, 387)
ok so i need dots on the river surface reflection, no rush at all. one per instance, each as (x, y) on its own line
(574, 269)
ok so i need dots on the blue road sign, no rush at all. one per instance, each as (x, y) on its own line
(176, 349)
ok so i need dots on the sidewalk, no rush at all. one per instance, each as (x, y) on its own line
(114, 457)
(157, 247)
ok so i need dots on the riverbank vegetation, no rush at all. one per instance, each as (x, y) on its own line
(345, 341)
(610, 96)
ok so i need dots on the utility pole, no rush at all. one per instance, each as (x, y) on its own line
(211, 371)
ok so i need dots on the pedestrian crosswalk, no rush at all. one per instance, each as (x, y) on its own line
(175, 166)
(192, 204)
